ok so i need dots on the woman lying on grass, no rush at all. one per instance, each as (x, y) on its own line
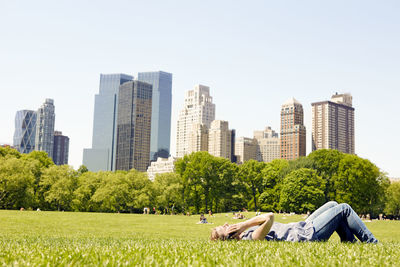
(319, 226)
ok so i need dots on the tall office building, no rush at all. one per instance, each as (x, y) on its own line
(268, 144)
(293, 131)
(161, 112)
(44, 137)
(61, 148)
(219, 139)
(198, 109)
(198, 138)
(102, 154)
(233, 141)
(333, 124)
(134, 126)
(245, 149)
(25, 131)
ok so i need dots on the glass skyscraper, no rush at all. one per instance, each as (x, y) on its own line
(102, 154)
(44, 138)
(25, 130)
(61, 148)
(161, 112)
(134, 126)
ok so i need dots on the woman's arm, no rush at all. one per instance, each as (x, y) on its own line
(262, 231)
(264, 220)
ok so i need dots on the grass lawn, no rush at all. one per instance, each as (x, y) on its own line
(68, 238)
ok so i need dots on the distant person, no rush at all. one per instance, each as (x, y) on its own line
(203, 219)
(319, 226)
(238, 216)
(210, 213)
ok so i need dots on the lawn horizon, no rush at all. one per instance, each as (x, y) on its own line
(65, 238)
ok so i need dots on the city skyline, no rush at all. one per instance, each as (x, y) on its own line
(34, 131)
(305, 50)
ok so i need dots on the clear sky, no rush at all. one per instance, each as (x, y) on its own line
(254, 55)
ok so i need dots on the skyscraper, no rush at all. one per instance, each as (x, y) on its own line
(134, 126)
(293, 131)
(219, 139)
(245, 149)
(102, 154)
(233, 141)
(61, 148)
(44, 137)
(198, 109)
(161, 112)
(198, 138)
(268, 144)
(333, 124)
(25, 131)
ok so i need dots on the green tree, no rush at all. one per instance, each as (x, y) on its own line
(227, 190)
(360, 184)
(16, 183)
(111, 194)
(40, 162)
(139, 189)
(9, 152)
(251, 174)
(302, 191)
(82, 169)
(43, 159)
(326, 163)
(123, 191)
(198, 172)
(180, 168)
(393, 199)
(59, 183)
(167, 188)
(301, 162)
(88, 183)
(273, 175)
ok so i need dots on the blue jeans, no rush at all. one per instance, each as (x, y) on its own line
(341, 218)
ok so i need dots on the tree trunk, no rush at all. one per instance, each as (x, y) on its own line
(206, 198)
(196, 201)
(254, 197)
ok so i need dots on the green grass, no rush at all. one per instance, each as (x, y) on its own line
(64, 238)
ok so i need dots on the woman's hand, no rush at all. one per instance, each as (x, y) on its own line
(236, 229)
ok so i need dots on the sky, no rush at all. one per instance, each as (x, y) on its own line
(254, 55)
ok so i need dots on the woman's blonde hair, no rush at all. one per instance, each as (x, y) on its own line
(215, 236)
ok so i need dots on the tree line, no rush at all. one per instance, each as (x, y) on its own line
(201, 182)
